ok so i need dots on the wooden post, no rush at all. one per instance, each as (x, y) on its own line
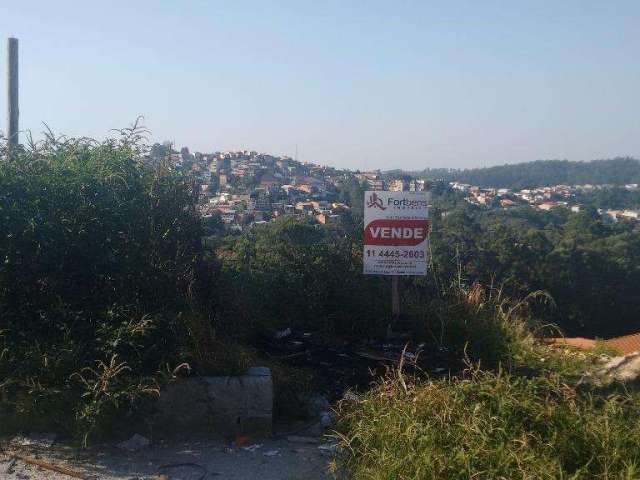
(12, 92)
(395, 299)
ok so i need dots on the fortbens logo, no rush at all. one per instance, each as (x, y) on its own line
(406, 203)
(375, 202)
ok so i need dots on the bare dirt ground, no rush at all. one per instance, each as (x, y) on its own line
(279, 458)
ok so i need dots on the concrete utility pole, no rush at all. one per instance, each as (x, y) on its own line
(12, 92)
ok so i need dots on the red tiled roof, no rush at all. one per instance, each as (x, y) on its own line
(627, 344)
(578, 342)
(624, 345)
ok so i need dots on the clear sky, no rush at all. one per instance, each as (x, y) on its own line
(358, 84)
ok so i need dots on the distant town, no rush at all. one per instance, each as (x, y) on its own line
(247, 188)
(543, 198)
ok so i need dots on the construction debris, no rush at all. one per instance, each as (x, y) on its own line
(253, 448)
(52, 467)
(187, 469)
(135, 443)
(303, 439)
(44, 440)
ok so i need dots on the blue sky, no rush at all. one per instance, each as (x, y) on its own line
(358, 84)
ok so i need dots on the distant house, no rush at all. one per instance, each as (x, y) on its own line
(375, 184)
(397, 186)
(630, 214)
(269, 182)
(548, 206)
(304, 207)
(227, 215)
(327, 219)
(307, 187)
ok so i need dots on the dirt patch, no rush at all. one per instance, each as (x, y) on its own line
(279, 458)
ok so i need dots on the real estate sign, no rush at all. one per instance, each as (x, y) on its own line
(396, 233)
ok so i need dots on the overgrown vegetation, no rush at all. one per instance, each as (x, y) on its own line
(106, 287)
(488, 425)
(524, 418)
(101, 282)
(313, 276)
(587, 266)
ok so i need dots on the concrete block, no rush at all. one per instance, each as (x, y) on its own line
(238, 405)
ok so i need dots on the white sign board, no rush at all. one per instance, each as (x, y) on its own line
(396, 233)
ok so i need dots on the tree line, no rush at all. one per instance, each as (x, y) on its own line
(539, 173)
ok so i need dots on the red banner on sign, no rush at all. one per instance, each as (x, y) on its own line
(396, 232)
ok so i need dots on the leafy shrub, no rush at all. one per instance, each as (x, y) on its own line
(292, 273)
(480, 323)
(100, 272)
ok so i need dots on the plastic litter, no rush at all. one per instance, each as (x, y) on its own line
(252, 448)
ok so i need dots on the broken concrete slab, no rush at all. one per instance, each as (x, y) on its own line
(232, 405)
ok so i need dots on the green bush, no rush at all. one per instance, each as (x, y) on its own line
(100, 274)
(294, 273)
(490, 425)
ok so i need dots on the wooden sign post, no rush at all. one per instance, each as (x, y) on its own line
(396, 236)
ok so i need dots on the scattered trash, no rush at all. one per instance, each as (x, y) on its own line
(9, 468)
(373, 356)
(229, 450)
(328, 448)
(182, 468)
(302, 439)
(241, 440)
(51, 467)
(44, 440)
(347, 365)
(252, 448)
(271, 453)
(283, 333)
(135, 443)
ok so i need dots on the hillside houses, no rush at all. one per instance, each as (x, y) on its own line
(542, 198)
(246, 187)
